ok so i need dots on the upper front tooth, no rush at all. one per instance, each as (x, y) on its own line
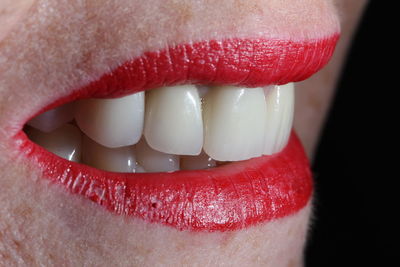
(65, 141)
(112, 122)
(234, 120)
(54, 118)
(173, 122)
(280, 109)
(121, 159)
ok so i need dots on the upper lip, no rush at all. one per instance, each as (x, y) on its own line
(244, 62)
(241, 62)
(185, 200)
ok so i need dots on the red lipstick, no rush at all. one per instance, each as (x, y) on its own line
(245, 62)
(229, 197)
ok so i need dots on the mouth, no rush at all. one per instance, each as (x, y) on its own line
(197, 136)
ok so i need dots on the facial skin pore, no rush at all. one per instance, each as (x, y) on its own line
(11, 13)
(40, 223)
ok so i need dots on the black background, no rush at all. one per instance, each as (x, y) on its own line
(355, 170)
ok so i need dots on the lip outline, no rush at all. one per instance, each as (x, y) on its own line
(321, 50)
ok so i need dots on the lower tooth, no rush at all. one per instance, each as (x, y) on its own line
(121, 159)
(139, 168)
(200, 162)
(155, 161)
(54, 118)
(65, 141)
(280, 109)
(234, 120)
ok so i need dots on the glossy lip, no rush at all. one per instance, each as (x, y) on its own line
(232, 197)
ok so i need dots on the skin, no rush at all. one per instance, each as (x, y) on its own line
(79, 42)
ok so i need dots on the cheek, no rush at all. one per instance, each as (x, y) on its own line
(11, 11)
(313, 97)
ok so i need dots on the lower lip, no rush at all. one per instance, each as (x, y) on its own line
(230, 197)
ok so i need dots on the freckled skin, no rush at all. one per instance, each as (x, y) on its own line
(41, 224)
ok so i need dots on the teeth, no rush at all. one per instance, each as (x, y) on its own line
(234, 120)
(202, 161)
(155, 161)
(121, 159)
(235, 124)
(54, 118)
(65, 141)
(280, 109)
(112, 122)
(173, 122)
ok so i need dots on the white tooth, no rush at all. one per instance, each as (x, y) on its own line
(54, 118)
(200, 162)
(112, 122)
(234, 120)
(121, 159)
(280, 109)
(155, 161)
(65, 141)
(203, 90)
(173, 122)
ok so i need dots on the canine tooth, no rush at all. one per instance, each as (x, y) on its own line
(173, 121)
(154, 161)
(53, 118)
(202, 161)
(121, 159)
(65, 141)
(234, 120)
(112, 122)
(280, 109)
